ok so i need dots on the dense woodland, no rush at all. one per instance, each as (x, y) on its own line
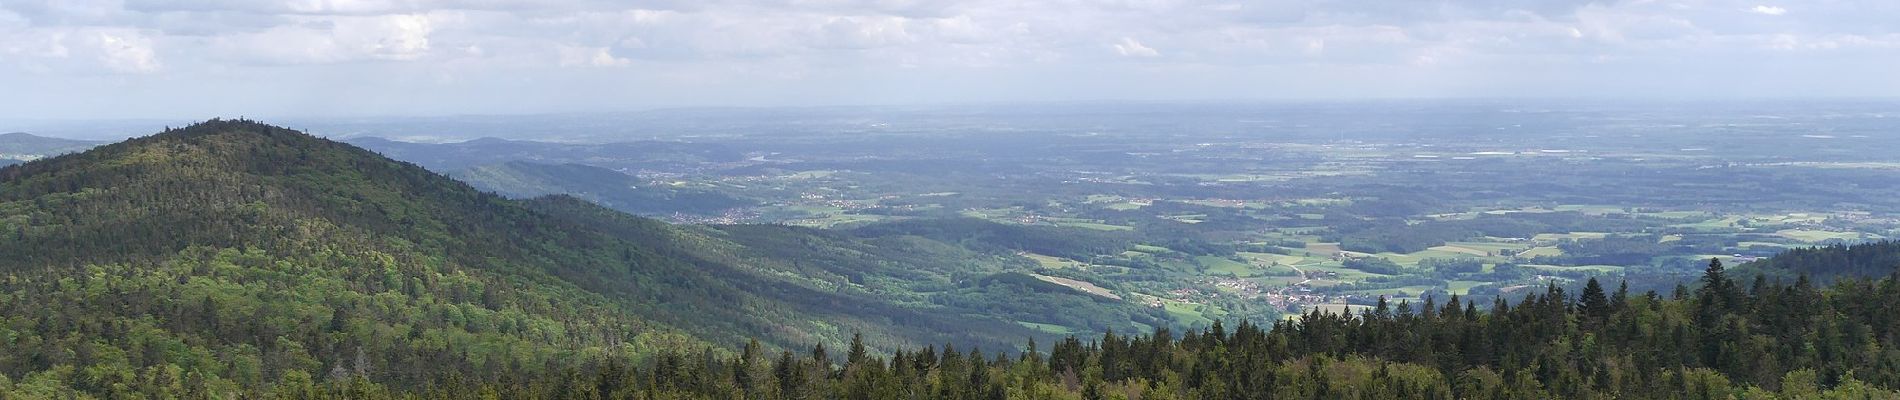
(235, 260)
(1721, 340)
(1832, 262)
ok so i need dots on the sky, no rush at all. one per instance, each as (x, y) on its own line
(198, 58)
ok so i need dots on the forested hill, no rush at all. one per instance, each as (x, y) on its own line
(1830, 263)
(237, 259)
(1723, 340)
(1720, 341)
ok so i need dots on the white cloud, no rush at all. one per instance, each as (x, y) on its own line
(576, 56)
(320, 40)
(393, 37)
(734, 50)
(863, 32)
(1315, 46)
(80, 50)
(125, 51)
(1131, 48)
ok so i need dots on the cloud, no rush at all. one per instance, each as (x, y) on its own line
(576, 56)
(1131, 48)
(125, 51)
(80, 50)
(321, 40)
(1768, 10)
(852, 51)
(863, 32)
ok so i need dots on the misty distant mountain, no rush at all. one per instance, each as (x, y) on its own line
(25, 147)
(521, 179)
(444, 157)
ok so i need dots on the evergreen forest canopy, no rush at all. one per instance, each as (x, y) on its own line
(232, 259)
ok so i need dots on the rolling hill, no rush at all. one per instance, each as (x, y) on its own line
(243, 258)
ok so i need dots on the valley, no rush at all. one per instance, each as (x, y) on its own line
(263, 262)
(949, 200)
(1268, 211)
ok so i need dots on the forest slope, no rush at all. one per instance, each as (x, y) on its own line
(231, 256)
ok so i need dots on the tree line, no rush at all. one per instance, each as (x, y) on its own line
(1723, 339)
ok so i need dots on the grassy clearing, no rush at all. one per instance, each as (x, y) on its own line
(1345, 274)
(1490, 247)
(1055, 329)
(1186, 266)
(1411, 259)
(1718, 224)
(1405, 291)
(1461, 250)
(1280, 270)
(1053, 262)
(1462, 287)
(1221, 266)
(1325, 249)
(1190, 313)
(1083, 286)
(1278, 264)
(828, 217)
(1793, 218)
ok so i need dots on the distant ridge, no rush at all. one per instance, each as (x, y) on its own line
(521, 179)
(26, 146)
(455, 156)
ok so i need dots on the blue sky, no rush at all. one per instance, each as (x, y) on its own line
(195, 58)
